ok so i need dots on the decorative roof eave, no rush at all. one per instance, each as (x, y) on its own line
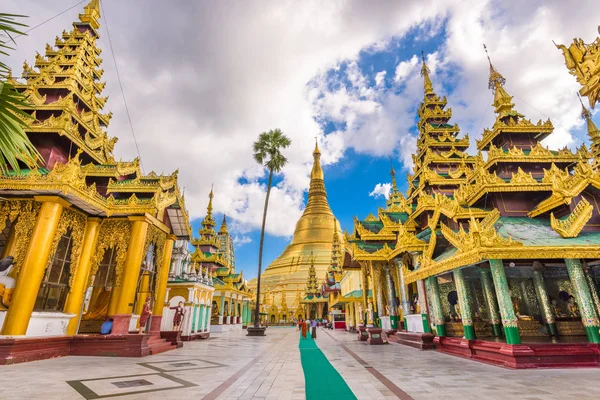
(488, 253)
(523, 126)
(505, 187)
(382, 254)
(565, 186)
(574, 223)
(87, 196)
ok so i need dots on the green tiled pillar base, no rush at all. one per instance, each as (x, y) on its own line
(469, 332)
(405, 324)
(394, 321)
(441, 330)
(552, 329)
(426, 326)
(512, 335)
(376, 320)
(593, 333)
(497, 330)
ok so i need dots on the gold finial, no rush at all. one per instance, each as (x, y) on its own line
(210, 199)
(393, 173)
(317, 171)
(496, 79)
(91, 14)
(585, 113)
(223, 230)
(427, 85)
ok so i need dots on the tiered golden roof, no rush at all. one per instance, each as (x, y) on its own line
(69, 130)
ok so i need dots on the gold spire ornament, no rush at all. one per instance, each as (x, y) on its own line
(593, 132)
(427, 85)
(502, 100)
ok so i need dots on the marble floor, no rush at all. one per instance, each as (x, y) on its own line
(233, 366)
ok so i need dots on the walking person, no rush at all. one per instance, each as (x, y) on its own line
(314, 329)
(304, 327)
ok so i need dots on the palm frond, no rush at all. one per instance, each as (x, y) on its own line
(15, 146)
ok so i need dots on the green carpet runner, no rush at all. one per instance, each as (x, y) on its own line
(322, 380)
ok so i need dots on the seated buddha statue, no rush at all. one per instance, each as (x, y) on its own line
(573, 307)
(7, 283)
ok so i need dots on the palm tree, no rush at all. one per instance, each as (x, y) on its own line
(14, 143)
(267, 152)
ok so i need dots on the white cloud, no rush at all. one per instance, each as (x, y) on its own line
(404, 67)
(241, 240)
(380, 78)
(202, 86)
(381, 190)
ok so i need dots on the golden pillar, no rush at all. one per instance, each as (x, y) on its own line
(114, 300)
(81, 276)
(34, 265)
(133, 262)
(161, 287)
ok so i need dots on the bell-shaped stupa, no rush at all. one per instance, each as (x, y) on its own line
(313, 237)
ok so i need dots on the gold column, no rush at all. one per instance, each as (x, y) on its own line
(34, 265)
(80, 278)
(163, 277)
(133, 262)
(114, 300)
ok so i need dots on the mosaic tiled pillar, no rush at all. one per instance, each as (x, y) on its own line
(509, 319)
(207, 318)
(403, 294)
(378, 289)
(584, 299)
(543, 299)
(194, 315)
(463, 301)
(423, 305)
(593, 289)
(490, 300)
(436, 305)
(391, 292)
(201, 312)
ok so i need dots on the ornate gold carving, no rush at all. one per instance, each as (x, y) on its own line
(114, 233)
(583, 62)
(574, 223)
(522, 177)
(74, 222)
(27, 218)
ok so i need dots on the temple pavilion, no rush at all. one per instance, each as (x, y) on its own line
(497, 254)
(91, 237)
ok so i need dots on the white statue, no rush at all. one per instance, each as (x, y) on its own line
(370, 312)
(6, 282)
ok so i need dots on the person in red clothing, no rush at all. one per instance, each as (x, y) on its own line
(146, 313)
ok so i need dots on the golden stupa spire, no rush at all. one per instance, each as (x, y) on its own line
(317, 171)
(209, 222)
(502, 100)
(317, 196)
(592, 129)
(91, 14)
(427, 85)
(224, 230)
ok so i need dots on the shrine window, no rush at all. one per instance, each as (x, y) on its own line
(147, 277)
(4, 235)
(55, 285)
(107, 270)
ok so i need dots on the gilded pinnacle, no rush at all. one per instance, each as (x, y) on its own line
(91, 14)
(427, 85)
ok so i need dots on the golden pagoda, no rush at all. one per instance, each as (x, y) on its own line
(313, 237)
